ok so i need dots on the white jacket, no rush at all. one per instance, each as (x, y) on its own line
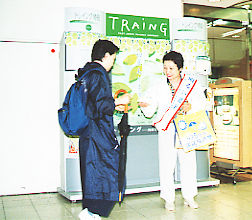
(159, 99)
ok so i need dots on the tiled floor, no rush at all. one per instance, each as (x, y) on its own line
(226, 201)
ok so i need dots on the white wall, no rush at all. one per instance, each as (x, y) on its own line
(43, 20)
(29, 160)
(29, 85)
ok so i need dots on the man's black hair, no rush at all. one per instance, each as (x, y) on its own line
(101, 47)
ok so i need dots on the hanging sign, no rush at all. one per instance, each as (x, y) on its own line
(137, 26)
(84, 19)
(189, 29)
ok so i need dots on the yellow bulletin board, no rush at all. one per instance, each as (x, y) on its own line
(232, 122)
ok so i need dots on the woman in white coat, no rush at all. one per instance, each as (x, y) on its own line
(159, 99)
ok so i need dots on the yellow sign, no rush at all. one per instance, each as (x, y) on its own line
(195, 131)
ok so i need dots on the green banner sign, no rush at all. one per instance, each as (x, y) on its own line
(137, 26)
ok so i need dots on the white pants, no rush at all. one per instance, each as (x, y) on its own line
(168, 155)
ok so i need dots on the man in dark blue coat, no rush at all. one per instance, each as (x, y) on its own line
(98, 145)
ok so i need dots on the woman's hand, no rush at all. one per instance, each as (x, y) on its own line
(186, 107)
(143, 104)
(123, 99)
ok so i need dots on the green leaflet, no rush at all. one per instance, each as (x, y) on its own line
(117, 70)
(135, 73)
(118, 85)
(134, 103)
(130, 60)
(151, 54)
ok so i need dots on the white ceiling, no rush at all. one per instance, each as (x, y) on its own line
(221, 3)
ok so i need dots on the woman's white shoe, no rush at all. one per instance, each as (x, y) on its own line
(191, 203)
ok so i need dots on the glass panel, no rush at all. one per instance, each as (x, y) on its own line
(228, 52)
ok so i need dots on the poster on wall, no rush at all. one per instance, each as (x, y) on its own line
(72, 149)
(189, 29)
(138, 66)
(83, 27)
(120, 25)
(78, 46)
(189, 37)
(226, 123)
(143, 42)
(84, 20)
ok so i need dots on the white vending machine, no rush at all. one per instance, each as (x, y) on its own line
(189, 37)
(82, 28)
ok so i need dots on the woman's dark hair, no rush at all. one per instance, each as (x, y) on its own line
(101, 47)
(176, 57)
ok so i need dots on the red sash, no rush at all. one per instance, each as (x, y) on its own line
(185, 87)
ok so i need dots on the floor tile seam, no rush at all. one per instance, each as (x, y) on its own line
(126, 211)
(221, 217)
(4, 213)
(226, 202)
(35, 208)
(45, 197)
(44, 203)
(19, 204)
(133, 207)
(176, 214)
(69, 211)
(37, 212)
(141, 213)
(229, 205)
(218, 199)
(154, 199)
(230, 208)
(136, 210)
(247, 199)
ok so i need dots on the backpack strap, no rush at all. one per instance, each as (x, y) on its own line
(78, 79)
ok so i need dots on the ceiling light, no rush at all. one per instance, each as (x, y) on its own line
(219, 22)
(210, 24)
(246, 6)
(232, 32)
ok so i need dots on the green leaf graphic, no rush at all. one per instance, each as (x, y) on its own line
(117, 70)
(130, 60)
(118, 85)
(134, 103)
(135, 73)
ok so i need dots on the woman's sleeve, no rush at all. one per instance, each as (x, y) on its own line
(150, 98)
(100, 95)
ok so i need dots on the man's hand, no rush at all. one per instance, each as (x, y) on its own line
(121, 108)
(123, 99)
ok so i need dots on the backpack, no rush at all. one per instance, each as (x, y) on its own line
(72, 116)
